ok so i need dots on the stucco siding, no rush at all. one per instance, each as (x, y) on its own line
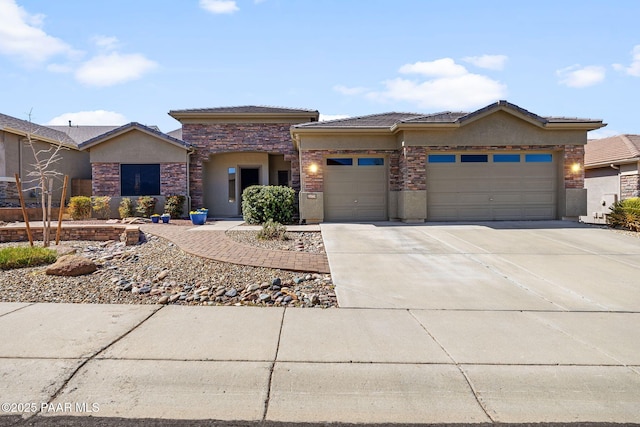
(137, 147)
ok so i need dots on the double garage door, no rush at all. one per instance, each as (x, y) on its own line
(355, 189)
(491, 186)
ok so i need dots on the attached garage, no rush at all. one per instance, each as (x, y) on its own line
(491, 186)
(355, 189)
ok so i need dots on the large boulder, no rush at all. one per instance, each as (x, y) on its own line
(71, 265)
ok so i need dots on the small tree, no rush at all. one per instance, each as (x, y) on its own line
(42, 177)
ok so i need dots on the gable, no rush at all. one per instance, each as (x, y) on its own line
(499, 128)
(136, 146)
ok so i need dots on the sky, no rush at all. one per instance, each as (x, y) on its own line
(110, 62)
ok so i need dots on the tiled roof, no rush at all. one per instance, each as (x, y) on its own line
(612, 150)
(388, 120)
(247, 109)
(81, 134)
(36, 130)
(133, 125)
(384, 120)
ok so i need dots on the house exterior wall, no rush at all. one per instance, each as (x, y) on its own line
(137, 147)
(603, 190)
(630, 180)
(215, 138)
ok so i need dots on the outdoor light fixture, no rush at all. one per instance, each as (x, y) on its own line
(313, 168)
(575, 168)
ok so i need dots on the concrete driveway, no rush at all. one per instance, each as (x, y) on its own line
(541, 266)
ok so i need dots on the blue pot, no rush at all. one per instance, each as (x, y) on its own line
(198, 218)
(165, 219)
(155, 219)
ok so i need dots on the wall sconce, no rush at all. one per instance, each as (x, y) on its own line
(575, 168)
(313, 168)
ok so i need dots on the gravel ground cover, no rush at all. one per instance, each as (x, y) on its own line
(296, 241)
(158, 272)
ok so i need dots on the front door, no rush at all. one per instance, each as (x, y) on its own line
(248, 177)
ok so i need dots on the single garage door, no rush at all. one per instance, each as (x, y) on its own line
(355, 189)
(491, 186)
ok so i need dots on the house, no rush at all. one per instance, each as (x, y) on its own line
(497, 163)
(500, 162)
(612, 173)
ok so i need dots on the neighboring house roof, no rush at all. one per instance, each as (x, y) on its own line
(176, 133)
(81, 134)
(613, 150)
(44, 133)
(395, 120)
(129, 127)
(249, 113)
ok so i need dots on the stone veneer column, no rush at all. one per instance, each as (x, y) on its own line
(412, 199)
(575, 195)
(629, 186)
(105, 179)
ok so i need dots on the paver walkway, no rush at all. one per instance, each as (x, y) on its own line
(215, 245)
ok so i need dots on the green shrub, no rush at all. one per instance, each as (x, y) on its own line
(80, 207)
(625, 214)
(102, 206)
(174, 206)
(126, 208)
(25, 256)
(272, 230)
(261, 203)
(146, 205)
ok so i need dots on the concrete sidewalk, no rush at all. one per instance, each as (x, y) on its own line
(312, 365)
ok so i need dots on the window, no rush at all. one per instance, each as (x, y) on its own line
(442, 158)
(538, 158)
(340, 161)
(232, 184)
(506, 158)
(140, 180)
(474, 158)
(371, 161)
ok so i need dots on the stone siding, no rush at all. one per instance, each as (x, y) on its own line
(215, 138)
(629, 186)
(105, 179)
(173, 179)
(126, 233)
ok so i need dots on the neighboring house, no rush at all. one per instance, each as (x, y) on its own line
(17, 157)
(235, 147)
(612, 173)
(500, 162)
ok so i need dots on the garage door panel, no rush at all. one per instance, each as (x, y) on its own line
(355, 193)
(491, 191)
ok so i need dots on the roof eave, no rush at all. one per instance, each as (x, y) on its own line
(629, 160)
(591, 125)
(102, 138)
(418, 126)
(38, 137)
(182, 115)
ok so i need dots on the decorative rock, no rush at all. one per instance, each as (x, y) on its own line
(155, 292)
(265, 297)
(308, 277)
(231, 293)
(71, 265)
(253, 287)
(287, 299)
(163, 299)
(298, 280)
(145, 289)
(264, 285)
(161, 276)
(220, 292)
(135, 290)
(174, 297)
(276, 282)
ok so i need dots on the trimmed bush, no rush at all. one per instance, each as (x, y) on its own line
(102, 206)
(273, 231)
(174, 206)
(80, 207)
(25, 256)
(146, 205)
(126, 208)
(261, 203)
(625, 214)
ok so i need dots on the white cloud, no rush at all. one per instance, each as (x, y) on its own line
(445, 85)
(634, 68)
(327, 117)
(445, 67)
(106, 42)
(219, 6)
(114, 68)
(350, 90)
(22, 37)
(578, 76)
(97, 117)
(490, 62)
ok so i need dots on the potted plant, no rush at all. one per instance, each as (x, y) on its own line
(198, 217)
(165, 218)
(155, 218)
